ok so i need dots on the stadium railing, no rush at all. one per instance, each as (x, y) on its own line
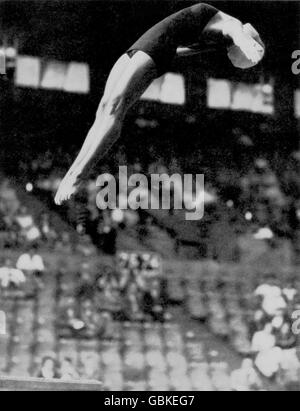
(39, 384)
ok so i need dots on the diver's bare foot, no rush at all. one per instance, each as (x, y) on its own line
(69, 186)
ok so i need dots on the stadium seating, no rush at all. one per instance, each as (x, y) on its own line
(180, 353)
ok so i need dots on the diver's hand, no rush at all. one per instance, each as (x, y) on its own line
(249, 47)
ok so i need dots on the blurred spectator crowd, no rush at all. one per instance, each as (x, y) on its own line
(22, 228)
(254, 315)
(133, 291)
(257, 194)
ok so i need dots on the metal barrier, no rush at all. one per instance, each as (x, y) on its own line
(39, 384)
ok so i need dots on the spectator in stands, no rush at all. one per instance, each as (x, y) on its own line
(86, 286)
(271, 295)
(3, 232)
(90, 367)
(263, 340)
(259, 319)
(9, 202)
(290, 364)
(68, 322)
(29, 231)
(105, 325)
(108, 234)
(267, 355)
(9, 229)
(108, 291)
(31, 263)
(220, 377)
(290, 292)
(246, 378)
(64, 243)
(90, 318)
(132, 305)
(48, 232)
(3, 224)
(285, 337)
(268, 362)
(49, 369)
(68, 370)
(10, 276)
(152, 302)
(85, 247)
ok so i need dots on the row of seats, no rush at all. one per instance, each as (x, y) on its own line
(151, 356)
(176, 354)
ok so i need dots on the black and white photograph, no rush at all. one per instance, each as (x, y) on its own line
(150, 198)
